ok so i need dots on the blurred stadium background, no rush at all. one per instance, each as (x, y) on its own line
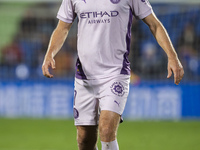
(25, 29)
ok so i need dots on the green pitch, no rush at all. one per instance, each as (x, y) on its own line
(45, 134)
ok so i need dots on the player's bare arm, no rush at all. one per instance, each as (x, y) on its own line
(161, 35)
(57, 39)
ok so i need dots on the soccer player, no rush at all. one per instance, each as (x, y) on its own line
(102, 68)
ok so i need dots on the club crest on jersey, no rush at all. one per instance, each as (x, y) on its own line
(84, 1)
(117, 88)
(115, 1)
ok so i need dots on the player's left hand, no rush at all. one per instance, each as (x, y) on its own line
(175, 66)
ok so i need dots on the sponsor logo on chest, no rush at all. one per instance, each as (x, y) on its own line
(99, 16)
(102, 14)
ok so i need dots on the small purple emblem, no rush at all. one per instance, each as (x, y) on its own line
(84, 1)
(76, 113)
(115, 1)
(143, 0)
(117, 88)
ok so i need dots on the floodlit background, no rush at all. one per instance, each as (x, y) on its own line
(25, 29)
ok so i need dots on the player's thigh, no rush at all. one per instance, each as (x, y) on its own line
(85, 104)
(113, 96)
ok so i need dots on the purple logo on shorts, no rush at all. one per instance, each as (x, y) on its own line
(117, 88)
(143, 0)
(117, 103)
(115, 1)
(76, 113)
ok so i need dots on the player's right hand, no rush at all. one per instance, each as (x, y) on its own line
(48, 62)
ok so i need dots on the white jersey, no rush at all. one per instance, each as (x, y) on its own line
(104, 32)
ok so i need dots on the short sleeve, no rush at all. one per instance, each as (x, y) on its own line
(66, 12)
(141, 8)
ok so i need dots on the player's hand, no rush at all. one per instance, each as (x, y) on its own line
(48, 62)
(175, 66)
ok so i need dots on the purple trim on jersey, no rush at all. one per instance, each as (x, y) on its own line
(79, 71)
(126, 64)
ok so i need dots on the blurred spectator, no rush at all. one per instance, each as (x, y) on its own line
(189, 37)
(28, 24)
(12, 54)
(34, 35)
(146, 60)
(152, 61)
(64, 65)
(188, 45)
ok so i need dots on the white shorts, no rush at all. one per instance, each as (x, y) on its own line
(92, 96)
